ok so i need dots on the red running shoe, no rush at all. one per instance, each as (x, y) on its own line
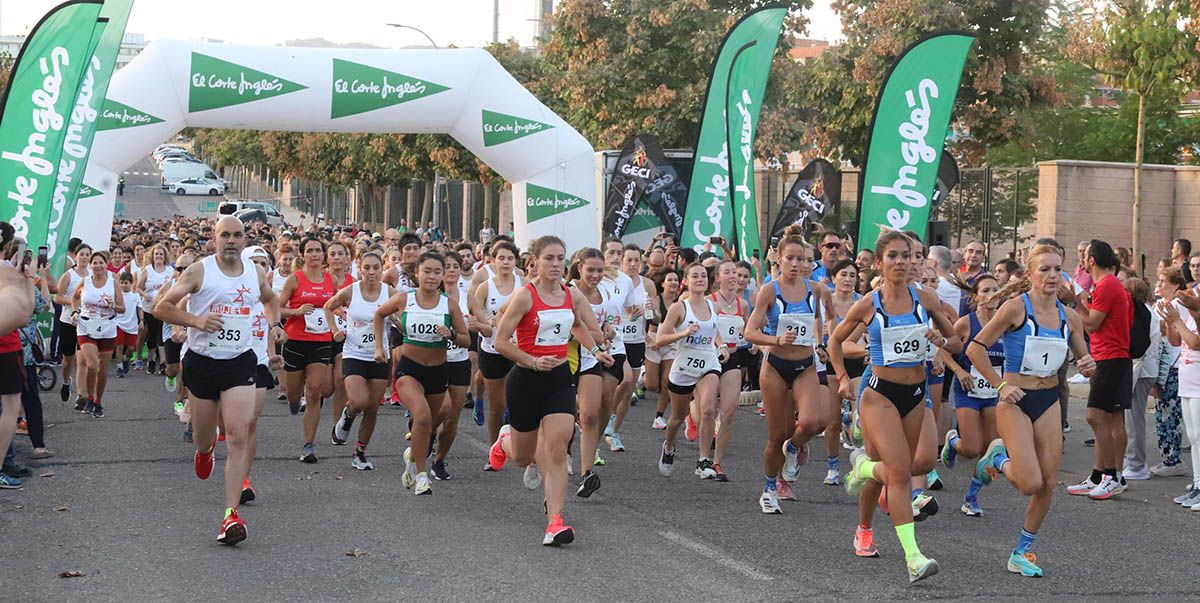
(558, 534)
(692, 431)
(233, 529)
(496, 456)
(204, 463)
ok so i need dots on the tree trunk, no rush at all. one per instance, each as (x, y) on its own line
(427, 206)
(489, 205)
(1135, 252)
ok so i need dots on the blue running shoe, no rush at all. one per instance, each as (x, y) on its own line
(477, 411)
(985, 469)
(608, 429)
(1024, 564)
(949, 454)
(8, 482)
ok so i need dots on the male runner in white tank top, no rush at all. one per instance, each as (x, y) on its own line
(220, 363)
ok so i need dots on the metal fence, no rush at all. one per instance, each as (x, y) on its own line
(991, 205)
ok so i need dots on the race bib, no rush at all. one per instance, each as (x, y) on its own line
(554, 327)
(422, 326)
(1043, 355)
(99, 328)
(904, 344)
(694, 362)
(360, 336)
(314, 322)
(233, 336)
(341, 323)
(730, 327)
(980, 388)
(800, 324)
(633, 329)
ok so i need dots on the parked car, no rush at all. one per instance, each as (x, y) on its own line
(198, 186)
(173, 172)
(259, 215)
(229, 208)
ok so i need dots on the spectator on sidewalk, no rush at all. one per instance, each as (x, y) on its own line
(402, 228)
(487, 232)
(1082, 279)
(1145, 377)
(942, 262)
(973, 260)
(1168, 415)
(1181, 251)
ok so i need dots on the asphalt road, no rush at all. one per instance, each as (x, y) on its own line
(143, 198)
(123, 506)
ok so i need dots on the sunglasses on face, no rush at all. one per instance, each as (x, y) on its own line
(831, 245)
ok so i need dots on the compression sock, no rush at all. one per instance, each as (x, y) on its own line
(908, 539)
(866, 470)
(1025, 542)
(974, 488)
(771, 484)
(832, 463)
(360, 448)
(998, 462)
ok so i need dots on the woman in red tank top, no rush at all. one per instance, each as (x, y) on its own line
(544, 316)
(308, 352)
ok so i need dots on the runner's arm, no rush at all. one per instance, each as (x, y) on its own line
(167, 307)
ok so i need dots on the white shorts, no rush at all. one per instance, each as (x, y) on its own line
(658, 355)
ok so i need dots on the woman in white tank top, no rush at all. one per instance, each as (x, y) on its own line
(68, 341)
(98, 304)
(587, 271)
(486, 304)
(150, 280)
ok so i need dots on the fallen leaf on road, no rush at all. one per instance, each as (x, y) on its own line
(62, 508)
(71, 574)
(47, 474)
(356, 553)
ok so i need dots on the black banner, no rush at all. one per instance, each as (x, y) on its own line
(817, 188)
(639, 165)
(667, 198)
(947, 179)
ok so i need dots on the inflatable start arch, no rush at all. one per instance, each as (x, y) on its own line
(461, 92)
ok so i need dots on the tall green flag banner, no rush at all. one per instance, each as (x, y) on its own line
(907, 135)
(709, 211)
(747, 82)
(36, 109)
(89, 103)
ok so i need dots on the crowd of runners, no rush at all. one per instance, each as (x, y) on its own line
(852, 356)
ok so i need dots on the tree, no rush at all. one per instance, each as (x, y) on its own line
(1144, 47)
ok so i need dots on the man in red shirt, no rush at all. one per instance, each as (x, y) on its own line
(1108, 317)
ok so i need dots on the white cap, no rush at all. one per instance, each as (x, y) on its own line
(255, 251)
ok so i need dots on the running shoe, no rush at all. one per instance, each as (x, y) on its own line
(659, 423)
(1082, 488)
(921, 567)
(496, 456)
(170, 384)
(721, 477)
(470, 401)
(303, 404)
(1024, 564)
(65, 392)
(666, 461)
(970, 508)
(832, 478)
(854, 483)
(640, 392)
(203, 463)
(704, 469)
(768, 502)
(283, 396)
(178, 407)
(151, 367)
(949, 454)
(248, 493)
(439, 471)
(1165, 470)
(1107, 489)
(588, 485)
(985, 468)
(791, 461)
(557, 533)
(409, 477)
(1122, 486)
(98, 411)
(1183, 498)
(233, 529)
(614, 443)
(532, 477)
(570, 467)
(932, 481)
(87, 408)
(308, 454)
(924, 505)
(691, 430)
(341, 429)
(477, 411)
(784, 489)
(608, 429)
(8, 482)
(187, 432)
(359, 461)
(80, 404)
(120, 372)
(421, 484)
(598, 462)
(864, 542)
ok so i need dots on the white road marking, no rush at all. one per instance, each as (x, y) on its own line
(713, 554)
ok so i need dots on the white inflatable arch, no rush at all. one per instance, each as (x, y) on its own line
(461, 92)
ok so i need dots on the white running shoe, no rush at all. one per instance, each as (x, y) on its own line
(1130, 474)
(421, 484)
(170, 384)
(666, 461)
(614, 443)
(1082, 488)
(410, 470)
(341, 428)
(791, 463)
(361, 463)
(532, 477)
(1106, 490)
(832, 477)
(1164, 470)
(769, 502)
(659, 423)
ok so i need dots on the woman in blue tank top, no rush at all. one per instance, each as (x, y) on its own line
(786, 322)
(1035, 331)
(973, 397)
(892, 408)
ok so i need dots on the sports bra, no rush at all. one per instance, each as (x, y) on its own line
(1032, 349)
(898, 340)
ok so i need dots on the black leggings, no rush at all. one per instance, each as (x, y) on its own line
(154, 328)
(31, 401)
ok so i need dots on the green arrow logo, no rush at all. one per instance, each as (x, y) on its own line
(115, 116)
(542, 202)
(360, 88)
(499, 128)
(217, 83)
(86, 191)
(643, 219)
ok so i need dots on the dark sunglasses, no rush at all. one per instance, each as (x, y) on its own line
(831, 245)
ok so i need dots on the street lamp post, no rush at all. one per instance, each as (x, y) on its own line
(402, 26)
